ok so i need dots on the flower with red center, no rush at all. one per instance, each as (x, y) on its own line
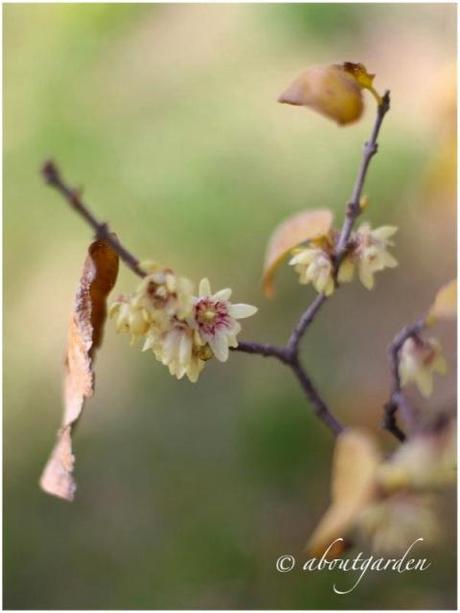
(162, 295)
(214, 317)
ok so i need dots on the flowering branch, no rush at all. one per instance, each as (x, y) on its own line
(53, 177)
(289, 354)
(397, 399)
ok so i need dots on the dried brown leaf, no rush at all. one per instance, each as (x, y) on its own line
(84, 336)
(290, 233)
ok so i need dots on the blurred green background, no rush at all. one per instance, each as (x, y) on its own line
(166, 115)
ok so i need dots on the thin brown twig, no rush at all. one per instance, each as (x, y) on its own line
(354, 206)
(53, 177)
(290, 358)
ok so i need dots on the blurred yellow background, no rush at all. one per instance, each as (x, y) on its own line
(166, 115)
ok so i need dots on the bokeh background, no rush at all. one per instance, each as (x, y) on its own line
(166, 115)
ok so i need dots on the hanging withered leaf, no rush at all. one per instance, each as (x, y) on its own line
(445, 303)
(335, 91)
(356, 459)
(84, 336)
(295, 230)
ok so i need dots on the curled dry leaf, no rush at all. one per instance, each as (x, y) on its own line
(335, 91)
(329, 90)
(445, 303)
(84, 336)
(296, 229)
(356, 459)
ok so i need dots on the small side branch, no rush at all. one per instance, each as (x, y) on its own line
(354, 206)
(397, 399)
(291, 359)
(320, 408)
(264, 349)
(304, 322)
(53, 177)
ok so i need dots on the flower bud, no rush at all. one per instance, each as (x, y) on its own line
(418, 361)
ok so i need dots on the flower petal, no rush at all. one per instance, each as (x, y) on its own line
(149, 341)
(219, 347)
(185, 349)
(424, 381)
(223, 294)
(388, 260)
(204, 288)
(346, 271)
(384, 232)
(241, 311)
(366, 277)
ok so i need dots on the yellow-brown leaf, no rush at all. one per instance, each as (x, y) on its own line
(84, 335)
(356, 459)
(329, 90)
(445, 303)
(295, 230)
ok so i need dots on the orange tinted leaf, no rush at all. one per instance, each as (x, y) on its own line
(84, 335)
(329, 90)
(290, 233)
(445, 303)
(356, 460)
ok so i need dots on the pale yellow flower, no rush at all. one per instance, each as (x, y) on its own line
(314, 265)
(180, 349)
(419, 359)
(426, 461)
(183, 331)
(346, 270)
(388, 503)
(214, 318)
(392, 524)
(129, 317)
(162, 295)
(371, 251)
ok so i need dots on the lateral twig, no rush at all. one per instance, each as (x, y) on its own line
(290, 353)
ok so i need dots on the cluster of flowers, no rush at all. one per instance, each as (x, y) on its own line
(367, 252)
(181, 329)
